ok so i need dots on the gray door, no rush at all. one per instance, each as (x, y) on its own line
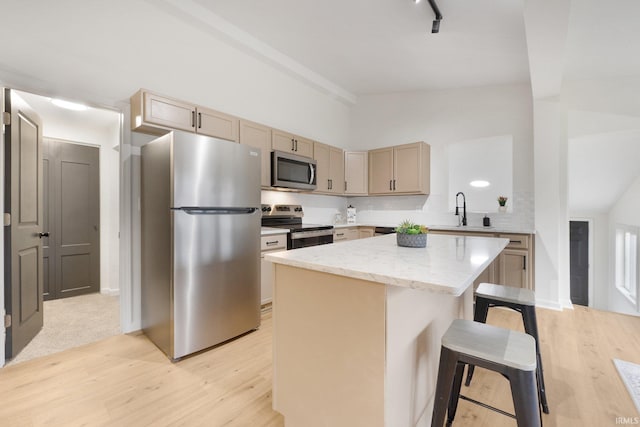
(24, 202)
(73, 197)
(579, 262)
(48, 256)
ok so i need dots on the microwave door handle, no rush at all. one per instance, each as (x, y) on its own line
(313, 173)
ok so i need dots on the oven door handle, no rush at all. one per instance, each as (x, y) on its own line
(314, 233)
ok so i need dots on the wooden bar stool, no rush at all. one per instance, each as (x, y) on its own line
(510, 353)
(518, 299)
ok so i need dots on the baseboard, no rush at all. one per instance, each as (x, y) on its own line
(110, 292)
(566, 303)
(551, 305)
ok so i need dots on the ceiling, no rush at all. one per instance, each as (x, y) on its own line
(102, 52)
(379, 46)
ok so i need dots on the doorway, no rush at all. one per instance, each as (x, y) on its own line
(71, 246)
(579, 262)
(94, 273)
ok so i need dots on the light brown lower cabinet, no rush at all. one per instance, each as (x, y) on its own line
(343, 234)
(515, 264)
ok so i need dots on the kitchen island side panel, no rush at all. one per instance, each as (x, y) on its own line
(416, 322)
(329, 349)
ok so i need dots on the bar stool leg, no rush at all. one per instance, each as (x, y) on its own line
(531, 328)
(479, 315)
(444, 384)
(455, 393)
(525, 398)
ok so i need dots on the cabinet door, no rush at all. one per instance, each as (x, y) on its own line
(303, 146)
(513, 268)
(340, 235)
(364, 232)
(258, 136)
(282, 141)
(356, 172)
(168, 112)
(217, 124)
(266, 280)
(321, 154)
(381, 171)
(407, 166)
(336, 170)
(487, 276)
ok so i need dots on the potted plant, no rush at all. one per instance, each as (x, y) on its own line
(411, 235)
(502, 201)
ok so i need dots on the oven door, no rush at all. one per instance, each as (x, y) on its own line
(292, 171)
(303, 239)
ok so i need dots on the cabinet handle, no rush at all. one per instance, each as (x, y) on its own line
(515, 241)
(296, 145)
(199, 120)
(293, 146)
(330, 184)
(339, 234)
(390, 185)
(345, 186)
(394, 185)
(193, 119)
(524, 262)
(271, 243)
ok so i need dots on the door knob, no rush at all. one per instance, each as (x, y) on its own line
(41, 235)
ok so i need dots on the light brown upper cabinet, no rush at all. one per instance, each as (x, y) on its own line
(356, 172)
(157, 115)
(329, 168)
(403, 169)
(284, 141)
(258, 136)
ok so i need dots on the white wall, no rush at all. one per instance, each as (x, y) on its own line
(105, 139)
(441, 118)
(625, 211)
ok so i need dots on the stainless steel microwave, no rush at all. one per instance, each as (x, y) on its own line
(292, 171)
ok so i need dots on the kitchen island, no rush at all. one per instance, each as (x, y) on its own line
(357, 326)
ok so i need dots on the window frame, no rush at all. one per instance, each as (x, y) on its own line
(627, 261)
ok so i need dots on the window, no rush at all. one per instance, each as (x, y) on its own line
(627, 261)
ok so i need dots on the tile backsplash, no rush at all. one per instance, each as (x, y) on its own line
(391, 210)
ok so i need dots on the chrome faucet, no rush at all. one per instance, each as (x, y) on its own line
(463, 220)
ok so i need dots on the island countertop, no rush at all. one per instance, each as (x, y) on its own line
(449, 264)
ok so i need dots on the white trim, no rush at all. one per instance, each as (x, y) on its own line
(110, 292)
(3, 335)
(634, 300)
(552, 305)
(591, 248)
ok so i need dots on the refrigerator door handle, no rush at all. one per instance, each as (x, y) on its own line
(217, 211)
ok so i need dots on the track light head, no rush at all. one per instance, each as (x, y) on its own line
(435, 28)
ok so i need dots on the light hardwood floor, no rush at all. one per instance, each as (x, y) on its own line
(126, 381)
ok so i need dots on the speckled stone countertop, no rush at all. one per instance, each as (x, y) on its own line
(449, 264)
(471, 228)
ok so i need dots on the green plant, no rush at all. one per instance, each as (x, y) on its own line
(408, 227)
(502, 200)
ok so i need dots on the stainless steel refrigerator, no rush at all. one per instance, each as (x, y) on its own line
(200, 221)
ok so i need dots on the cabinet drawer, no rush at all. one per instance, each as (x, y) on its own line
(516, 241)
(278, 241)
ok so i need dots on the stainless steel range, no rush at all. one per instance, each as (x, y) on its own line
(300, 235)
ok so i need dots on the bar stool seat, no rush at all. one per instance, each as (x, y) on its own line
(518, 299)
(508, 352)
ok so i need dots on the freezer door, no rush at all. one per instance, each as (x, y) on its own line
(212, 172)
(216, 280)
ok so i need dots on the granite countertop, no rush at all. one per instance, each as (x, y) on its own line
(449, 264)
(267, 231)
(472, 228)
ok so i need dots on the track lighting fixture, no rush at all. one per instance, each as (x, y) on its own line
(435, 27)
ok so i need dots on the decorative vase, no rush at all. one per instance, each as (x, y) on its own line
(412, 240)
(502, 208)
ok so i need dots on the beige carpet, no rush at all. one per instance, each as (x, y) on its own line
(72, 322)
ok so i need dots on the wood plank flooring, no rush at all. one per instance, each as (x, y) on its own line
(126, 381)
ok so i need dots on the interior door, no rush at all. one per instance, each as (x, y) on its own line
(48, 196)
(579, 262)
(24, 203)
(76, 215)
